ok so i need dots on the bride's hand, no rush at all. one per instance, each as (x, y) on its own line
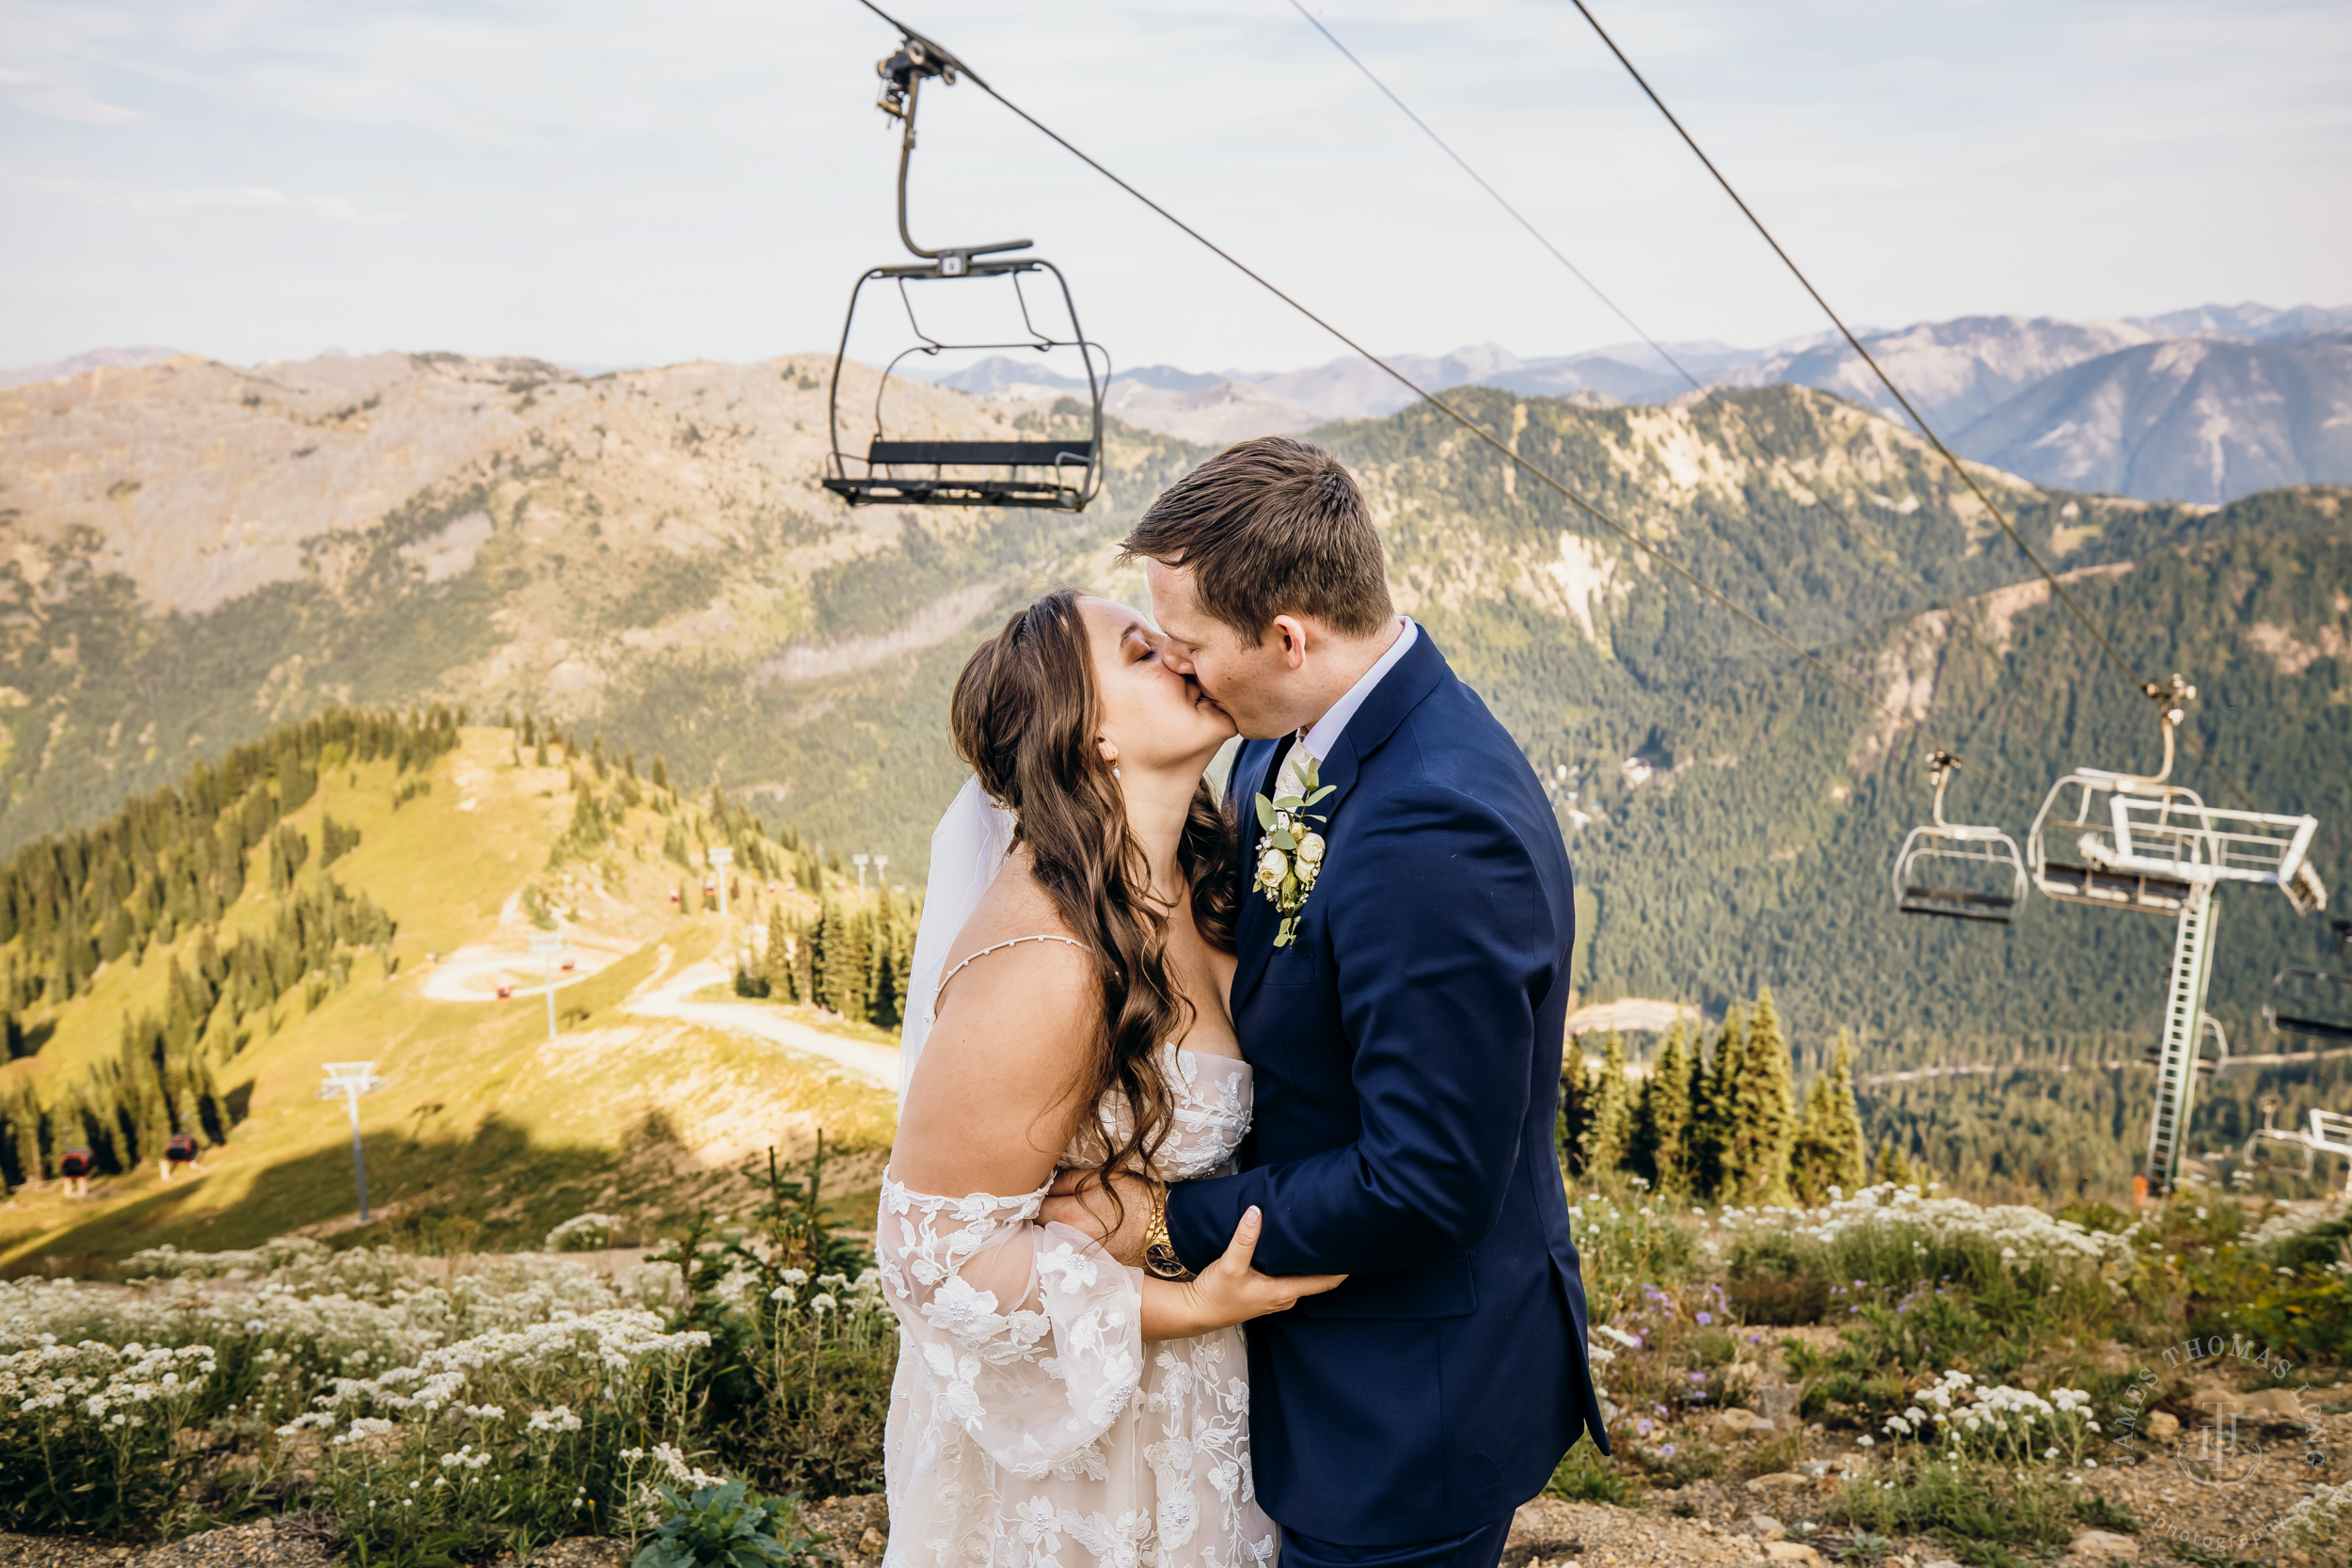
(1231, 1290)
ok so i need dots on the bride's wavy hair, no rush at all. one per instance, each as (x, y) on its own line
(1026, 716)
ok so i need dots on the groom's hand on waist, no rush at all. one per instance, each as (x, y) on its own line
(1078, 1200)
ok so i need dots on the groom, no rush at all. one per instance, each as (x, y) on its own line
(1406, 1043)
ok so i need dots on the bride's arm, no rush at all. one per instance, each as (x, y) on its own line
(1021, 1336)
(1230, 1290)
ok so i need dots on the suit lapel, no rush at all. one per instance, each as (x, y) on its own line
(1400, 691)
(1253, 933)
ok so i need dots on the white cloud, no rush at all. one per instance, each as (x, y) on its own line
(56, 100)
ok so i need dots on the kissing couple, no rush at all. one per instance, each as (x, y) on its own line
(1225, 1193)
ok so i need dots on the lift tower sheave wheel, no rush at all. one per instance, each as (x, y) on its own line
(1062, 474)
(2141, 843)
(1977, 872)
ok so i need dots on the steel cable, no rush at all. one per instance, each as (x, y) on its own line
(1500, 447)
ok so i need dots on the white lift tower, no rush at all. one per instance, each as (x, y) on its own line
(2131, 842)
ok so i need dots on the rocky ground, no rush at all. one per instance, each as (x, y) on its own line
(1771, 1518)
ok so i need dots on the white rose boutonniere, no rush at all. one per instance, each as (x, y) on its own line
(1290, 853)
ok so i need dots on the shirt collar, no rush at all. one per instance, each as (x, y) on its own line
(1325, 733)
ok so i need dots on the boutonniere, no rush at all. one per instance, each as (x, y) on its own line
(1290, 853)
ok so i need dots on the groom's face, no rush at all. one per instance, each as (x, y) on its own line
(1257, 684)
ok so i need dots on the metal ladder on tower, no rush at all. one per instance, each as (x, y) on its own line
(2176, 1056)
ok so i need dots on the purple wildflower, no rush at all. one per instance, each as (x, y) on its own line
(1707, 1319)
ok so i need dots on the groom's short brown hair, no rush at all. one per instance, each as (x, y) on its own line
(1271, 527)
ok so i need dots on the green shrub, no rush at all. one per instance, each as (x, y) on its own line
(1968, 1505)
(1586, 1475)
(725, 1526)
(1785, 1302)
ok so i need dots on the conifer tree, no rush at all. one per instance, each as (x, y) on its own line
(1763, 1121)
(1661, 1125)
(1575, 1116)
(1830, 1150)
(777, 964)
(1892, 1166)
(1612, 1126)
(842, 941)
(1712, 1088)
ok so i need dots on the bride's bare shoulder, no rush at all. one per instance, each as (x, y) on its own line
(1015, 907)
(989, 1109)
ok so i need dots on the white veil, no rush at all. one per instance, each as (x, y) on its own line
(967, 849)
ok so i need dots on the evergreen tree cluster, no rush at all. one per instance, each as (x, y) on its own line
(853, 957)
(1722, 1126)
(166, 865)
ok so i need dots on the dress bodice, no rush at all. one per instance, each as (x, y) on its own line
(1211, 1103)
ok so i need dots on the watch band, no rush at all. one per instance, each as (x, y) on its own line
(1159, 1253)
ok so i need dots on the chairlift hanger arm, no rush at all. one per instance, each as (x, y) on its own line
(902, 75)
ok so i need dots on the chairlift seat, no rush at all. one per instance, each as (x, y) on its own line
(883, 482)
(2123, 889)
(77, 1162)
(180, 1148)
(2311, 1004)
(1987, 855)
(1957, 904)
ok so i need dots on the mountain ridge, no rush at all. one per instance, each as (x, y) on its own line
(1957, 373)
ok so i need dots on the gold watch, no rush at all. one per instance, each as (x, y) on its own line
(1159, 1254)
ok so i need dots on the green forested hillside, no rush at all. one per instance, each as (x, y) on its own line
(646, 556)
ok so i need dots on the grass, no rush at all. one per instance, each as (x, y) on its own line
(482, 1117)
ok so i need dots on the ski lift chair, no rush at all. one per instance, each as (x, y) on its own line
(2325, 1132)
(2139, 843)
(2310, 1003)
(1959, 872)
(77, 1164)
(1060, 474)
(180, 1148)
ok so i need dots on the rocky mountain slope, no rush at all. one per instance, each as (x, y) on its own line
(193, 551)
(2198, 418)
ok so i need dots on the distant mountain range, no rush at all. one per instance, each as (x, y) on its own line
(2203, 404)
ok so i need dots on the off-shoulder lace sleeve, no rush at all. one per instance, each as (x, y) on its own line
(1027, 1338)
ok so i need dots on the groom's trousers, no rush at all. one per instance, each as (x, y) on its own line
(1478, 1549)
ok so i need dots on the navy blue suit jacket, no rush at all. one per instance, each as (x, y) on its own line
(1405, 1050)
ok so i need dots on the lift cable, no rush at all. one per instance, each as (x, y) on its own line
(1469, 425)
(1706, 393)
(1501, 201)
(2058, 586)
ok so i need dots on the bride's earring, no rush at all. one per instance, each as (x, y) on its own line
(1110, 754)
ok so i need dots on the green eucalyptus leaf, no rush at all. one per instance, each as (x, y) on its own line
(1265, 811)
(1320, 794)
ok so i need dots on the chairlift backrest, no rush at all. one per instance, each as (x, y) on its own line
(1958, 871)
(1062, 474)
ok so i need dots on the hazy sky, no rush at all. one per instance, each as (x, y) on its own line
(607, 183)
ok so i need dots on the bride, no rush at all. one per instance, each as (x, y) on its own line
(1069, 1010)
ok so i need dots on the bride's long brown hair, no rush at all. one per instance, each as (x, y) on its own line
(1027, 717)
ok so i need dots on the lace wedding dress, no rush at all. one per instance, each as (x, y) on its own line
(1030, 1427)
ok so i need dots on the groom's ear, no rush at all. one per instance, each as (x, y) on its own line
(1291, 634)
